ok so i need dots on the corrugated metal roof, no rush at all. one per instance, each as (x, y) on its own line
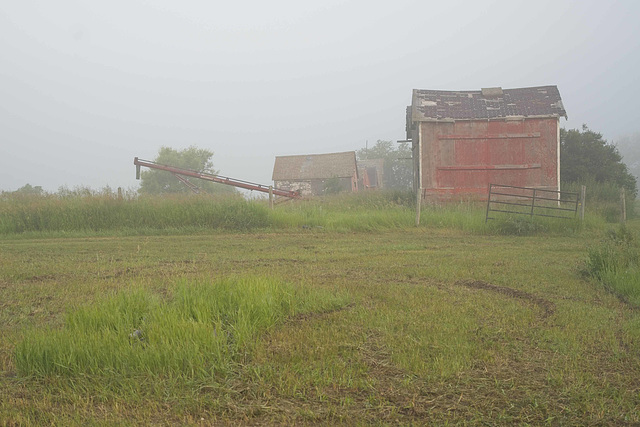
(488, 103)
(314, 166)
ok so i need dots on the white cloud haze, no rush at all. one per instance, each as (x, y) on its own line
(87, 85)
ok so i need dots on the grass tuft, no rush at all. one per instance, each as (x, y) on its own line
(615, 262)
(197, 333)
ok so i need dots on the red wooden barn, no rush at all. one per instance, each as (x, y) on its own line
(465, 140)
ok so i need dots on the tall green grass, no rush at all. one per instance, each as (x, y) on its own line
(615, 262)
(200, 331)
(603, 199)
(366, 211)
(103, 213)
(98, 212)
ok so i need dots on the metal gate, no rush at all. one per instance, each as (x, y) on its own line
(509, 199)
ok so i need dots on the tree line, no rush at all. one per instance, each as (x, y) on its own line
(585, 156)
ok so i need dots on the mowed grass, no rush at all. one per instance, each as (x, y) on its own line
(418, 326)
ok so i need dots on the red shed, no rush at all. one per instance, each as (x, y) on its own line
(465, 140)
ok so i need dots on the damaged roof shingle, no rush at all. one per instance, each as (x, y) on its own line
(489, 103)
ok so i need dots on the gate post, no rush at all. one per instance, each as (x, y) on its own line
(486, 217)
(418, 205)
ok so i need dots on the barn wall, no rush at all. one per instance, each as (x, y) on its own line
(462, 158)
(316, 187)
(303, 187)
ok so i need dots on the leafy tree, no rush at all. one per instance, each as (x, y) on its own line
(155, 181)
(585, 156)
(398, 167)
(29, 189)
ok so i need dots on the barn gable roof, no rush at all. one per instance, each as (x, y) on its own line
(488, 103)
(314, 166)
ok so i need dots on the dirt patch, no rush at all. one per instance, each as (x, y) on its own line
(41, 278)
(126, 272)
(177, 262)
(378, 358)
(318, 314)
(547, 307)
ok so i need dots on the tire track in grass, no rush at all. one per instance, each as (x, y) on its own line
(548, 308)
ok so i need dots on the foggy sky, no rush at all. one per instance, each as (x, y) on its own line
(85, 86)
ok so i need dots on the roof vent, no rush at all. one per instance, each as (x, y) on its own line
(492, 92)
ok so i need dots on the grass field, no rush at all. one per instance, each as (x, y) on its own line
(387, 325)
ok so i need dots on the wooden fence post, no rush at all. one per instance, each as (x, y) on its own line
(583, 193)
(623, 206)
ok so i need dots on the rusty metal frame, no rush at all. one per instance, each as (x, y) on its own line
(512, 196)
(213, 178)
(191, 186)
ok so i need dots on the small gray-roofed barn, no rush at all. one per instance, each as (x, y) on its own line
(309, 173)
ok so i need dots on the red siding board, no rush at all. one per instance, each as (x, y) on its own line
(464, 157)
